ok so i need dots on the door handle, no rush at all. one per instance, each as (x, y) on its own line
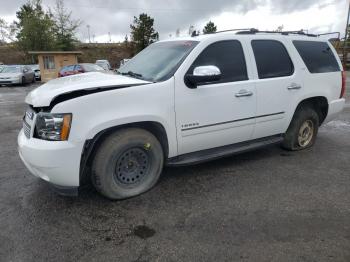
(294, 86)
(243, 92)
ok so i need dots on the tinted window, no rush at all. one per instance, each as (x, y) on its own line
(317, 56)
(272, 59)
(228, 56)
(78, 68)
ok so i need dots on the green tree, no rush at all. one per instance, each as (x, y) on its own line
(35, 27)
(142, 32)
(210, 27)
(64, 27)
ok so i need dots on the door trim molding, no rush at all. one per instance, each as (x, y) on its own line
(231, 121)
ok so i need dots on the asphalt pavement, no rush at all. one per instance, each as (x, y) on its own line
(266, 205)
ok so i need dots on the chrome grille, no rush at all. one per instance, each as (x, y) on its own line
(26, 129)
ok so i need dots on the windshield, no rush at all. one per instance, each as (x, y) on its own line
(12, 69)
(159, 61)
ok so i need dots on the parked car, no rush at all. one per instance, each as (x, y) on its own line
(36, 70)
(1, 67)
(200, 98)
(104, 64)
(79, 69)
(16, 74)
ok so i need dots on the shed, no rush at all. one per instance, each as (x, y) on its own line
(50, 62)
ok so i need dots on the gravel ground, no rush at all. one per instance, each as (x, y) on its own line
(267, 205)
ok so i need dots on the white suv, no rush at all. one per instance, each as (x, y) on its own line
(180, 102)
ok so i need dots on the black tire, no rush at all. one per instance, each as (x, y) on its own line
(23, 81)
(127, 163)
(305, 117)
(33, 80)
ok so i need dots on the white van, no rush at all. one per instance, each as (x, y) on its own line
(180, 102)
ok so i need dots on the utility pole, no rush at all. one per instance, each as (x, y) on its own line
(88, 28)
(109, 36)
(345, 53)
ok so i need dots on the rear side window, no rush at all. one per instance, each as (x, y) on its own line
(317, 56)
(272, 59)
(228, 56)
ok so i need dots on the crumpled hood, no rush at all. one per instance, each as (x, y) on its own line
(43, 95)
(9, 75)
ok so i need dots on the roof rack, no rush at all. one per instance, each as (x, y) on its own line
(248, 31)
(331, 33)
(256, 31)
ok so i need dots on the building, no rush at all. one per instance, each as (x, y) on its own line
(50, 62)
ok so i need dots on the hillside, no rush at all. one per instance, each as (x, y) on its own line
(114, 52)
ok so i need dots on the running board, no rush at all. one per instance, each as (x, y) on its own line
(219, 152)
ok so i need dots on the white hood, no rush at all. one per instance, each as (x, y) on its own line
(43, 95)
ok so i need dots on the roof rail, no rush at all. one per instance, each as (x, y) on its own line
(256, 31)
(331, 33)
(248, 31)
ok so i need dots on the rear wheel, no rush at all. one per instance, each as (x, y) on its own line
(127, 163)
(303, 129)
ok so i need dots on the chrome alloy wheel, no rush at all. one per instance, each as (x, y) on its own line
(306, 133)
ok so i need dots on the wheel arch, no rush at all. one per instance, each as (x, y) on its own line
(91, 145)
(319, 103)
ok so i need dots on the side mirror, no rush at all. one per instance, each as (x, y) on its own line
(25, 70)
(203, 75)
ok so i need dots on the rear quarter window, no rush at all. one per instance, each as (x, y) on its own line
(317, 56)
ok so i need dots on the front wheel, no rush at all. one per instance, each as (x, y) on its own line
(303, 129)
(127, 163)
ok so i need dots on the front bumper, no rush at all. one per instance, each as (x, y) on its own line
(334, 108)
(12, 81)
(56, 162)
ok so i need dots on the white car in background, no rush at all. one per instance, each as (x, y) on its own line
(104, 64)
(36, 70)
(181, 102)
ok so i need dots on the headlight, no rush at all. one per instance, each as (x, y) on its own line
(53, 127)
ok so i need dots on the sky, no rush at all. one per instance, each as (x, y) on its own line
(109, 20)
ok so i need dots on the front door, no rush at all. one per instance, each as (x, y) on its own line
(218, 113)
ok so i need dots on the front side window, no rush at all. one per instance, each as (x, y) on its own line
(49, 62)
(317, 56)
(272, 59)
(159, 61)
(228, 56)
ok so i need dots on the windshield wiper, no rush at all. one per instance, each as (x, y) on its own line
(131, 73)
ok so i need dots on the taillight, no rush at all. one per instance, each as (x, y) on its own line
(343, 84)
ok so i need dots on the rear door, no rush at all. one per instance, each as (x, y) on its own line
(278, 85)
(219, 113)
